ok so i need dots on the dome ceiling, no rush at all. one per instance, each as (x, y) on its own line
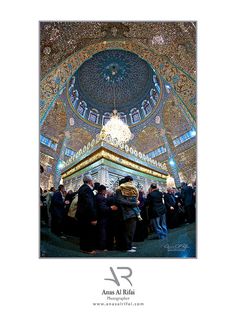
(114, 78)
(131, 77)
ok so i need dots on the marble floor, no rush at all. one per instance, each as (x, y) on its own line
(180, 243)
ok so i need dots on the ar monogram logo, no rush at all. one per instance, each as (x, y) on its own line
(115, 279)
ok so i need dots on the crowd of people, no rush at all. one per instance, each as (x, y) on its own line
(108, 220)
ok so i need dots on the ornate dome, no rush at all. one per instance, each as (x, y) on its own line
(114, 75)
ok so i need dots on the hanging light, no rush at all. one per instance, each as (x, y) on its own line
(171, 162)
(61, 165)
(193, 133)
(115, 128)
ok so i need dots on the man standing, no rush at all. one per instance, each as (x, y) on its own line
(187, 194)
(58, 211)
(171, 206)
(104, 212)
(129, 215)
(116, 226)
(157, 212)
(87, 216)
(49, 202)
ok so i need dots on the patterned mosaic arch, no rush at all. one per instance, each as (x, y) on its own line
(182, 83)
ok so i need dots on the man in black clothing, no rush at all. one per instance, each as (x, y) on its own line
(187, 195)
(141, 232)
(58, 211)
(157, 212)
(116, 227)
(103, 217)
(180, 205)
(70, 225)
(87, 216)
(172, 208)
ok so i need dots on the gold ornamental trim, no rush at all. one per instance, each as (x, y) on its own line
(108, 155)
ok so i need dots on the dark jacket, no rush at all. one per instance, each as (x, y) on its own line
(57, 205)
(86, 210)
(156, 208)
(187, 195)
(178, 198)
(116, 215)
(70, 197)
(126, 205)
(170, 200)
(103, 210)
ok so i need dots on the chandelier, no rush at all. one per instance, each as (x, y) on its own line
(115, 129)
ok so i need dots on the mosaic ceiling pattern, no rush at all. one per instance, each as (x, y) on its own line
(55, 123)
(177, 40)
(148, 139)
(172, 113)
(187, 163)
(77, 138)
(119, 71)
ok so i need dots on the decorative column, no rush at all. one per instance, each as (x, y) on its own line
(171, 158)
(60, 160)
(174, 171)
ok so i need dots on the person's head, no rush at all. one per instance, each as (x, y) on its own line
(45, 191)
(169, 190)
(52, 189)
(122, 181)
(88, 179)
(102, 189)
(154, 187)
(128, 179)
(61, 188)
(70, 192)
(96, 185)
(183, 184)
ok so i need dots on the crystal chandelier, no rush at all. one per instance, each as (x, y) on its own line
(115, 129)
